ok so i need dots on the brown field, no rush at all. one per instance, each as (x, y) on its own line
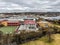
(42, 41)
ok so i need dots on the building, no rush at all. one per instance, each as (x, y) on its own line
(13, 23)
(28, 25)
(20, 18)
(10, 23)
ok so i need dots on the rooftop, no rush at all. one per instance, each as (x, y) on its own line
(29, 22)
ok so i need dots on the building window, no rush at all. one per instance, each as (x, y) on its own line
(31, 27)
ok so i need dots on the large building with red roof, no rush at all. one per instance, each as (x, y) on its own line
(28, 25)
(29, 22)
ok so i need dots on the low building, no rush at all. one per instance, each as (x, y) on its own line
(13, 23)
(10, 23)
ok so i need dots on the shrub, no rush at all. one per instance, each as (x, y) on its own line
(1, 25)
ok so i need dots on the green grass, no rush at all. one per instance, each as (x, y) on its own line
(8, 29)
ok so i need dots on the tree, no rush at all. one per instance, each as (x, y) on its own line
(49, 32)
(1, 25)
(1, 37)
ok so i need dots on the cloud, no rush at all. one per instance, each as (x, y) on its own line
(11, 6)
(30, 5)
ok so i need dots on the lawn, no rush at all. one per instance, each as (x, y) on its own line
(42, 41)
(8, 29)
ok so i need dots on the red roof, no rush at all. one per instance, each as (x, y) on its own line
(29, 22)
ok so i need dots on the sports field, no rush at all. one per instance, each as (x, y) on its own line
(8, 29)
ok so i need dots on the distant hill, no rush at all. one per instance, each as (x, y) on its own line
(35, 13)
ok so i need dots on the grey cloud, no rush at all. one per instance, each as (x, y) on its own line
(32, 5)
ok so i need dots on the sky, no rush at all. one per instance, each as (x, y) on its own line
(29, 5)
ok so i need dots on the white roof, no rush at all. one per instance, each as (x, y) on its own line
(12, 21)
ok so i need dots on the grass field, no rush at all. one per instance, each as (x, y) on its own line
(42, 41)
(8, 29)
